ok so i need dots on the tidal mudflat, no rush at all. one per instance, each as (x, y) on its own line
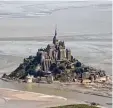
(87, 31)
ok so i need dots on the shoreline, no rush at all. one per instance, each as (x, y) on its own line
(14, 90)
(68, 101)
(9, 95)
(97, 89)
(85, 95)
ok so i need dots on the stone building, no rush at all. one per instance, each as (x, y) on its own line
(68, 54)
(61, 54)
(54, 52)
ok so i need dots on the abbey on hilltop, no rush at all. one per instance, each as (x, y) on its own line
(54, 52)
(54, 61)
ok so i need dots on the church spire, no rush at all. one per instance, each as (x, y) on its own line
(54, 38)
(55, 31)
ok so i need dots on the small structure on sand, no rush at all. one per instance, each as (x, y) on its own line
(29, 78)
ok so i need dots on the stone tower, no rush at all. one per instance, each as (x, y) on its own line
(61, 54)
(68, 54)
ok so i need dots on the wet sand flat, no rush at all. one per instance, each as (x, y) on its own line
(10, 98)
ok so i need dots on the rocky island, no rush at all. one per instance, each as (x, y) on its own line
(55, 62)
